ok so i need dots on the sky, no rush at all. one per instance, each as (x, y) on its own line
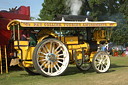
(35, 5)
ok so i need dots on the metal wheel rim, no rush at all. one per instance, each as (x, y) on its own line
(85, 66)
(102, 62)
(60, 60)
(31, 71)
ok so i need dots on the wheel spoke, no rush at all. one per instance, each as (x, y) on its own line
(42, 60)
(57, 48)
(47, 49)
(42, 53)
(60, 62)
(105, 63)
(49, 67)
(58, 65)
(101, 56)
(44, 49)
(58, 51)
(42, 64)
(102, 68)
(61, 58)
(98, 64)
(105, 58)
(60, 54)
(55, 67)
(41, 56)
(98, 67)
(50, 46)
(53, 48)
(86, 65)
(97, 60)
(46, 65)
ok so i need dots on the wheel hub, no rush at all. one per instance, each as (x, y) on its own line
(52, 57)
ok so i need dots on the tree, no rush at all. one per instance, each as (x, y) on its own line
(51, 8)
(99, 9)
(32, 18)
(113, 10)
(110, 10)
(124, 8)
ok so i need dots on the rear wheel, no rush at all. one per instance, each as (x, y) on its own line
(101, 62)
(50, 57)
(83, 64)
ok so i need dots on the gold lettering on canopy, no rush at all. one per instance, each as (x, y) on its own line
(44, 24)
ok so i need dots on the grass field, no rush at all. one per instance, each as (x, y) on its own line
(117, 75)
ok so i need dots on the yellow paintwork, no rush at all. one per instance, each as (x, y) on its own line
(46, 32)
(13, 22)
(21, 43)
(71, 40)
(27, 52)
(92, 54)
(78, 49)
(79, 55)
(99, 35)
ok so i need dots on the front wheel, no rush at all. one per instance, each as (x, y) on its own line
(50, 57)
(101, 62)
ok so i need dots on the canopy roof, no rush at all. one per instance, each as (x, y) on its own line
(62, 23)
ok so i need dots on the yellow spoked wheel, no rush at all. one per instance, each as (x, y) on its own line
(50, 57)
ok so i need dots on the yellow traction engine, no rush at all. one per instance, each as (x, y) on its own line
(60, 43)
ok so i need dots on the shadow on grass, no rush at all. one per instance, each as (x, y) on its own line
(74, 70)
(27, 74)
(13, 68)
(71, 70)
(117, 66)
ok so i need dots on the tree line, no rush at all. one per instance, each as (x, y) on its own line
(106, 10)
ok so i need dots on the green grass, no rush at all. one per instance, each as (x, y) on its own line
(117, 75)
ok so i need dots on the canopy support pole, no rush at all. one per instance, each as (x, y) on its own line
(18, 32)
(60, 33)
(6, 60)
(14, 32)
